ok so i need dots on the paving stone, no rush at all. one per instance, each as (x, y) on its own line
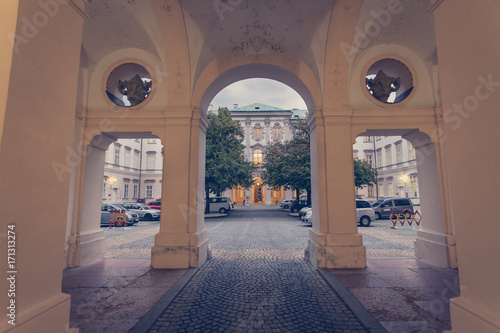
(257, 281)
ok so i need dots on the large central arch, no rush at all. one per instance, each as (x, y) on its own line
(250, 71)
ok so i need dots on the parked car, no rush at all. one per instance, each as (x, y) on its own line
(286, 203)
(297, 205)
(307, 218)
(303, 212)
(144, 211)
(385, 207)
(155, 204)
(220, 204)
(106, 209)
(365, 213)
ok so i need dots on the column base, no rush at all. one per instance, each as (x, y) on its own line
(179, 251)
(470, 317)
(437, 249)
(335, 250)
(49, 316)
(86, 248)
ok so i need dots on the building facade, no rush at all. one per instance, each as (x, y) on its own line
(395, 161)
(263, 124)
(133, 171)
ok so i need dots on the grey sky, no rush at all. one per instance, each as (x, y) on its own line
(264, 91)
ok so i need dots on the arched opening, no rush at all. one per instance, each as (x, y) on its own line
(120, 169)
(408, 180)
(264, 121)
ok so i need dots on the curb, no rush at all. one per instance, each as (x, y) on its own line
(157, 310)
(352, 303)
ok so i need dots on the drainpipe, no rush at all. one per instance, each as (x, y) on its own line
(375, 159)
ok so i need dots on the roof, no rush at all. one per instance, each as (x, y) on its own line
(259, 107)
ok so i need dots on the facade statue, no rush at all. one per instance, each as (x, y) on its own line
(381, 86)
(136, 89)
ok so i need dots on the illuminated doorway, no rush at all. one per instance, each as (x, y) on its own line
(258, 192)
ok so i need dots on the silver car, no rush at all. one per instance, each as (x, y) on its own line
(106, 212)
(144, 211)
(365, 213)
(385, 207)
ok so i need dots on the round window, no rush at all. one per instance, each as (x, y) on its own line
(128, 85)
(389, 81)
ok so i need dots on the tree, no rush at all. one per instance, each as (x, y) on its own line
(225, 164)
(288, 164)
(364, 174)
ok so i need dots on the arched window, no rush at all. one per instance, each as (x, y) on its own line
(257, 157)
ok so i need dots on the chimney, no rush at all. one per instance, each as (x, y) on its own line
(235, 106)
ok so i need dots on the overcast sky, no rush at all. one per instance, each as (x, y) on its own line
(263, 91)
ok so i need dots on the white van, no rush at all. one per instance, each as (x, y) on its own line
(220, 204)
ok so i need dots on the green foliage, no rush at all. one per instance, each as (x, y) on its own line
(364, 174)
(289, 164)
(226, 166)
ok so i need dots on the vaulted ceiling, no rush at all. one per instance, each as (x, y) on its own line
(216, 27)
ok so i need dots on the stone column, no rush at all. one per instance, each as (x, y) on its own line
(182, 241)
(432, 243)
(248, 136)
(268, 196)
(37, 108)
(267, 123)
(333, 239)
(86, 241)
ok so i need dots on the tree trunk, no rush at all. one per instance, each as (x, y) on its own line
(207, 196)
(308, 197)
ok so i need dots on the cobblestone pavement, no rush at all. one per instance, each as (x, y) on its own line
(379, 239)
(257, 281)
(382, 241)
(131, 242)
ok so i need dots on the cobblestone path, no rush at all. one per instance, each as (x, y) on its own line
(257, 281)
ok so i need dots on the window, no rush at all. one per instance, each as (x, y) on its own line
(369, 159)
(411, 151)
(362, 204)
(381, 190)
(135, 192)
(390, 190)
(413, 182)
(151, 160)
(149, 191)
(355, 154)
(127, 157)
(277, 133)
(152, 141)
(136, 159)
(388, 158)
(399, 155)
(367, 139)
(117, 155)
(104, 191)
(379, 158)
(401, 202)
(370, 191)
(257, 157)
(257, 133)
(125, 191)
